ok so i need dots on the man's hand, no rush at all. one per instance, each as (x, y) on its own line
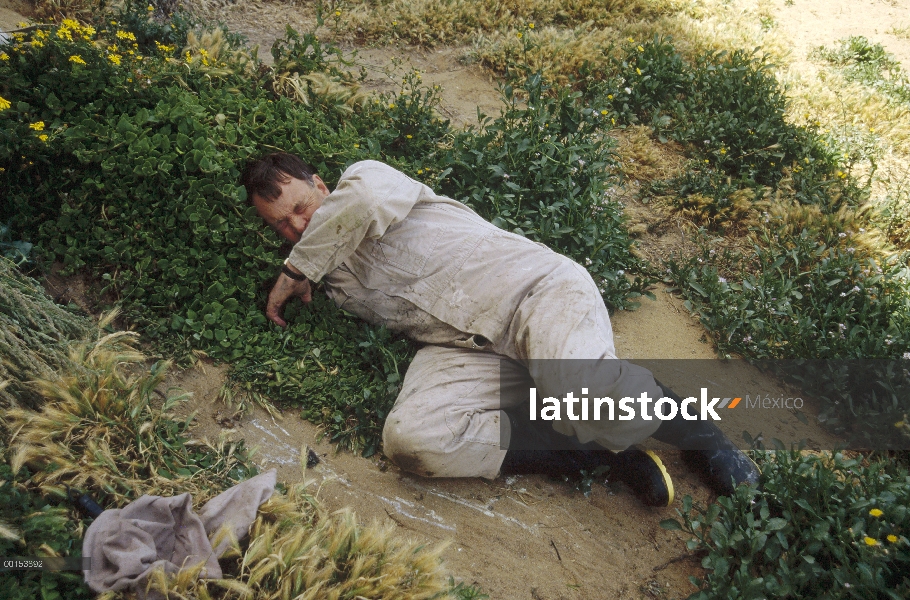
(281, 292)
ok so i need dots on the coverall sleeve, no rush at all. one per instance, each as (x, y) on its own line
(370, 198)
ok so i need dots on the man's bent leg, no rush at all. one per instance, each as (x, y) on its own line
(562, 332)
(446, 421)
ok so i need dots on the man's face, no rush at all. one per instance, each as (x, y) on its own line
(290, 213)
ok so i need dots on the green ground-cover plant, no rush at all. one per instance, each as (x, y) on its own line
(131, 167)
(730, 112)
(843, 535)
(801, 296)
(870, 64)
(32, 523)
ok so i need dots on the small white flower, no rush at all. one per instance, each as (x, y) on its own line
(620, 272)
(842, 294)
(906, 356)
(855, 288)
(722, 279)
(628, 90)
(841, 235)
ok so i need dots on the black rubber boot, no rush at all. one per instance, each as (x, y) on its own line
(536, 448)
(707, 451)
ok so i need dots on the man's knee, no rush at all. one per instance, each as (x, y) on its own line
(403, 445)
(414, 449)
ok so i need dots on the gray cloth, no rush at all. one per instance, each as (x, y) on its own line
(126, 545)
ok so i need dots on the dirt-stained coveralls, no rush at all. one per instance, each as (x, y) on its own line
(391, 251)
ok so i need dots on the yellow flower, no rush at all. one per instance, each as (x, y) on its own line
(150, 8)
(357, 145)
(530, 25)
(43, 137)
(892, 538)
(37, 126)
(337, 13)
(409, 136)
(876, 513)
(4, 103)
(631, 40)
(114, 58)
(609, 96)
(4, 56)
(641, 49)
(518, 34)
(70, 23)
(37, 44)
(420, 171)
(870, 541)
(391, 106)
(637, 70)
(603, 112)
(126, 35)
(21, 24)
(75, 58)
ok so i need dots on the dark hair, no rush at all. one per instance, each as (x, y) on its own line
(261, 177)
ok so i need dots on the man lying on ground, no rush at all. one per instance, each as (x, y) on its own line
(491, 307)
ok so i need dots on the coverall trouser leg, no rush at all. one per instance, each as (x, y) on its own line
(447, 419)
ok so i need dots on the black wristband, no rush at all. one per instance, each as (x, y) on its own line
(295, 276)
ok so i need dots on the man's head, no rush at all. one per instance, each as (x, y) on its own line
(285, 192)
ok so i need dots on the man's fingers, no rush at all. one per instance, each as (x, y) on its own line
(307, 294)
(274, 310)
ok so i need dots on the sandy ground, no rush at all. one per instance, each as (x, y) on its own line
(525, 537)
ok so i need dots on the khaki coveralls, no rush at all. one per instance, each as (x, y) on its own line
(394, 253)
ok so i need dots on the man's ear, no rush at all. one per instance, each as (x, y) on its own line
(320, 185)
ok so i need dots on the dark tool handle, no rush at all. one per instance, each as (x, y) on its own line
(89, 506)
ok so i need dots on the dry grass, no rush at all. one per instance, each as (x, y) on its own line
(645, 159)
(98, 431)
(34, 333)
(430, 22)
(901, 31)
